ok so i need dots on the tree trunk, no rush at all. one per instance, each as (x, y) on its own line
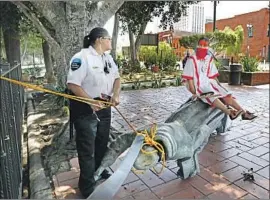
(70, 22)
(132, 45)
(48, 62)
(12, 44)
(139, 37)
(115, 35)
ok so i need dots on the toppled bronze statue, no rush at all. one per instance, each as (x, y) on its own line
(183, 135)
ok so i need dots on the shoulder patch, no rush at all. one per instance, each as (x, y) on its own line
(76, 64)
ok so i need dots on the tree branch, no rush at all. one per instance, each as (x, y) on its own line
(32, 17)
(104, 11)
(53, 11)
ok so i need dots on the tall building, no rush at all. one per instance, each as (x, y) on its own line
(194, 21)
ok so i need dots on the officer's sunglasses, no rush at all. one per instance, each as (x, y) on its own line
(107, 38)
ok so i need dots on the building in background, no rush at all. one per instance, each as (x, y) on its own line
(172, 38)
(194, 21)
(258, 44)
(209, 20)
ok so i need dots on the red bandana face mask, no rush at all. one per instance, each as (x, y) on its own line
(202, 49)
(201, 53)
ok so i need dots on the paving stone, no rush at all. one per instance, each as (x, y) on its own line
(259, 151)
(253, 189)
(188, 193)
(261, 181)
(261, 140)
(73, 183)
(241, 141)
(248, 196)
(265, 157)
(264, 172)
(130, 188)
(217, 146)
(228, 192)
(234, 174)
(251, 137)
(222, 166)
(131, 178)
(267, 145)
(201, 185)
(146, 194)
(150, 179)
(207, 158)
(231, 135)
(245, 163)
(126, 198)
(172, 187)
(254, 159)
(67, 175)
(237, 145)
(74, 162)
(229, 152)
(166, 175)
(214, 179)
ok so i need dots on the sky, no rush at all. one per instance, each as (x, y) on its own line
(225, 9)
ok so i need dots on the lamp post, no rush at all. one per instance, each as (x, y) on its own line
(249, 35)
(268, 35)
(215, 15)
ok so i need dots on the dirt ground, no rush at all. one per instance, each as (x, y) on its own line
(52, 125)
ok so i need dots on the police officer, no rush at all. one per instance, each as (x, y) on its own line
(93, 74)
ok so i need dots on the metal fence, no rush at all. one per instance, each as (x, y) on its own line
(11, 119)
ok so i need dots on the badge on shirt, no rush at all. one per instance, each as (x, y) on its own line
(76, 64)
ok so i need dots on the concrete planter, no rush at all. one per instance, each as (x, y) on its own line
(255, 78)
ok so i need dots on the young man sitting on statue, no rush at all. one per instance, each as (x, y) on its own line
(200, 74)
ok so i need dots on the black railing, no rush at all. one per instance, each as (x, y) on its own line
(11, 119)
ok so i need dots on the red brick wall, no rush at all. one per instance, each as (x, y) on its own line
(259, 20)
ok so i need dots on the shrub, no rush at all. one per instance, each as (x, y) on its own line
(250, 64)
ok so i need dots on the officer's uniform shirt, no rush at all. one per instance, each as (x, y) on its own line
(87, 70)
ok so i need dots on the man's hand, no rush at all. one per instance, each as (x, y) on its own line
(97, 106)
(194, 97)
(115, 100)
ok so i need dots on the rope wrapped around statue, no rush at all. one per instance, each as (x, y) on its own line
(183, 135)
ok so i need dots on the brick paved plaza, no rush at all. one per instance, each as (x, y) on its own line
(222, 161)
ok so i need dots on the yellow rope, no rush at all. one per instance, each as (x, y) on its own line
(149, 138)
(38, 88)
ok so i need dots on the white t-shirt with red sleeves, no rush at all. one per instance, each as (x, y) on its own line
(203, 73)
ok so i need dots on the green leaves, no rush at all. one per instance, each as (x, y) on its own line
(137, 12)
(165, 56)
(250, 64)
(223, 41)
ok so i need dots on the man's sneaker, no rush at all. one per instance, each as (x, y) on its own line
(105, 174)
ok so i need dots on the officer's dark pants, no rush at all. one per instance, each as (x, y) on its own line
(91, 140)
